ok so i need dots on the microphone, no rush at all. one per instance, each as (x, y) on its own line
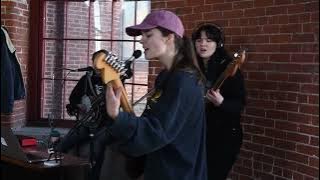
(136, 54)
(89, 68)
(127, 65)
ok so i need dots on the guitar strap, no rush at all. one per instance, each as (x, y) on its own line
(89, 82)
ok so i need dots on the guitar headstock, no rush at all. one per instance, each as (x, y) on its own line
(109, 66)
(235, 64)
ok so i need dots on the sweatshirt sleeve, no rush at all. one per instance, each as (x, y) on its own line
(162, 120)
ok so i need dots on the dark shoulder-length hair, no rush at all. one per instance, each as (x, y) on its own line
(215, 35)
(185, 58)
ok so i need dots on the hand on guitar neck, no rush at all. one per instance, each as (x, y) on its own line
(215, 97)
(116, 95)
(213, 94)
(113, 96)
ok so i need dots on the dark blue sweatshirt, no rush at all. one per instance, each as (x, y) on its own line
(170, 132)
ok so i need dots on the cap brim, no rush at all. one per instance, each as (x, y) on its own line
(136, 30)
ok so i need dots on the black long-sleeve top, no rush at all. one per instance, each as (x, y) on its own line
(227, 115)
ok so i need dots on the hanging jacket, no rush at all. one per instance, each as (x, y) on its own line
(12, 86)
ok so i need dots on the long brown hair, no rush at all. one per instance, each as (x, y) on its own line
(185, 59)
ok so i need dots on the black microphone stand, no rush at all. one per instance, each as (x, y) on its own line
(54, 136)
(91, 136)
(89, 121)
(91, 129)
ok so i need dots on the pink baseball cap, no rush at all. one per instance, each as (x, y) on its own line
(158, 18)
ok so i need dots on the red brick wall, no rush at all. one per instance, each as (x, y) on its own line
(15, 17)
(281, 119)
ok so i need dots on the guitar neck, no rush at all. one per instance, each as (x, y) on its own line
(230, 70)
(126, 106)
(219, 81)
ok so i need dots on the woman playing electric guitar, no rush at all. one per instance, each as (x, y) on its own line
(171, 131)
(225, 95)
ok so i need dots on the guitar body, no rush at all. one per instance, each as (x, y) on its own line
(110, 71)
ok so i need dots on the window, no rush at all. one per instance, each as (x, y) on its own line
(72, 32)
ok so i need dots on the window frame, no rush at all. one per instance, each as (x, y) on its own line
(36, 68)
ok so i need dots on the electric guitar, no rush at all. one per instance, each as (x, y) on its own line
(110, 70)
(231, 69)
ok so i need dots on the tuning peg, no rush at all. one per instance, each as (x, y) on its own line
(117, 66)
(119, 69)
(113, 63)
(123, 71)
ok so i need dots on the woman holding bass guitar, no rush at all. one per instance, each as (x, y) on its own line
(225, 99)
(171, 131)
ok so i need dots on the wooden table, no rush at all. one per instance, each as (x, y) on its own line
(70, 168)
